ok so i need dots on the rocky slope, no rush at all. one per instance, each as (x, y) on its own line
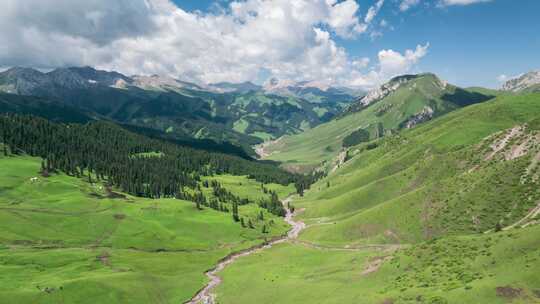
(529, 82)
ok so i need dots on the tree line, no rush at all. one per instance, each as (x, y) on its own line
(109, 153)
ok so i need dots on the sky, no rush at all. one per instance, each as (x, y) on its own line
(360, 43)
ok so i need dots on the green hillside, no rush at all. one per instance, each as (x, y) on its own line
(481, 161)
(411, 100)
(64, 240)
(444, 213)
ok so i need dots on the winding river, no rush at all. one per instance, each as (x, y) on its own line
(205, 295)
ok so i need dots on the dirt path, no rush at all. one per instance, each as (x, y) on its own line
(524, 221)
(205, 295)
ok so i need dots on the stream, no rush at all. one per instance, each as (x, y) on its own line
(205, 295)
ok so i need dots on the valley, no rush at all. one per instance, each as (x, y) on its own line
(269, 152)
(419, 192)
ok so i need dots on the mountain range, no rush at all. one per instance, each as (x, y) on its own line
(243, 114)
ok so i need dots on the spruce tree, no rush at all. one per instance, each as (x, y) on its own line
(236, 218)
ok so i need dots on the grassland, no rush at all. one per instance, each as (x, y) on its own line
(495, 268)
(413, 219)
(63, 240)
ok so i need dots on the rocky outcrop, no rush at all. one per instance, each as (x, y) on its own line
(523, 82)
(425, 115)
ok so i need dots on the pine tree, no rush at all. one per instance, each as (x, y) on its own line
(4, 141)
(236, 218)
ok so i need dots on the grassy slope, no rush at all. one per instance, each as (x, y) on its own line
(63, 240)
(417, 189)
(322, 143)
(430, 181)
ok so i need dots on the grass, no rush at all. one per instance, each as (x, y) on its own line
(467, 269)
(65, 240)
(240, 125)
(249, 188)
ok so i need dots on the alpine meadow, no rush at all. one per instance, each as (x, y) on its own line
(270, 151)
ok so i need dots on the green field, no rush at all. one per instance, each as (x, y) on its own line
(494, 268)
(64, 240)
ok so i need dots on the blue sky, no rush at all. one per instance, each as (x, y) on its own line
(469, 44)
(359, 43)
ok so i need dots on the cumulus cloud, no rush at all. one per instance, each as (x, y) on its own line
(293, 39)
(390, 63)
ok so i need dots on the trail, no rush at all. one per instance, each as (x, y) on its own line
(531, 214)
(205, 295)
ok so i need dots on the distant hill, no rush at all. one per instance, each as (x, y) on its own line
(313, 91)
(402, 103)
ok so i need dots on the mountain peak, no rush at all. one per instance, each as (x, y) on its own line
(395, 83)
(527, 82)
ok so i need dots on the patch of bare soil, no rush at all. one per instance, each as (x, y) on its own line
(262, 149)
(509, 292)
(500, 144)
(374, 264)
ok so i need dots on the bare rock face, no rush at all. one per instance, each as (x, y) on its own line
(425, 115)
(523, 82)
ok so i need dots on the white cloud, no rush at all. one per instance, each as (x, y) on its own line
(292, 39)
(461, 2)
(373, 11)
(343, 18)
(391, 63)
(407, 4)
